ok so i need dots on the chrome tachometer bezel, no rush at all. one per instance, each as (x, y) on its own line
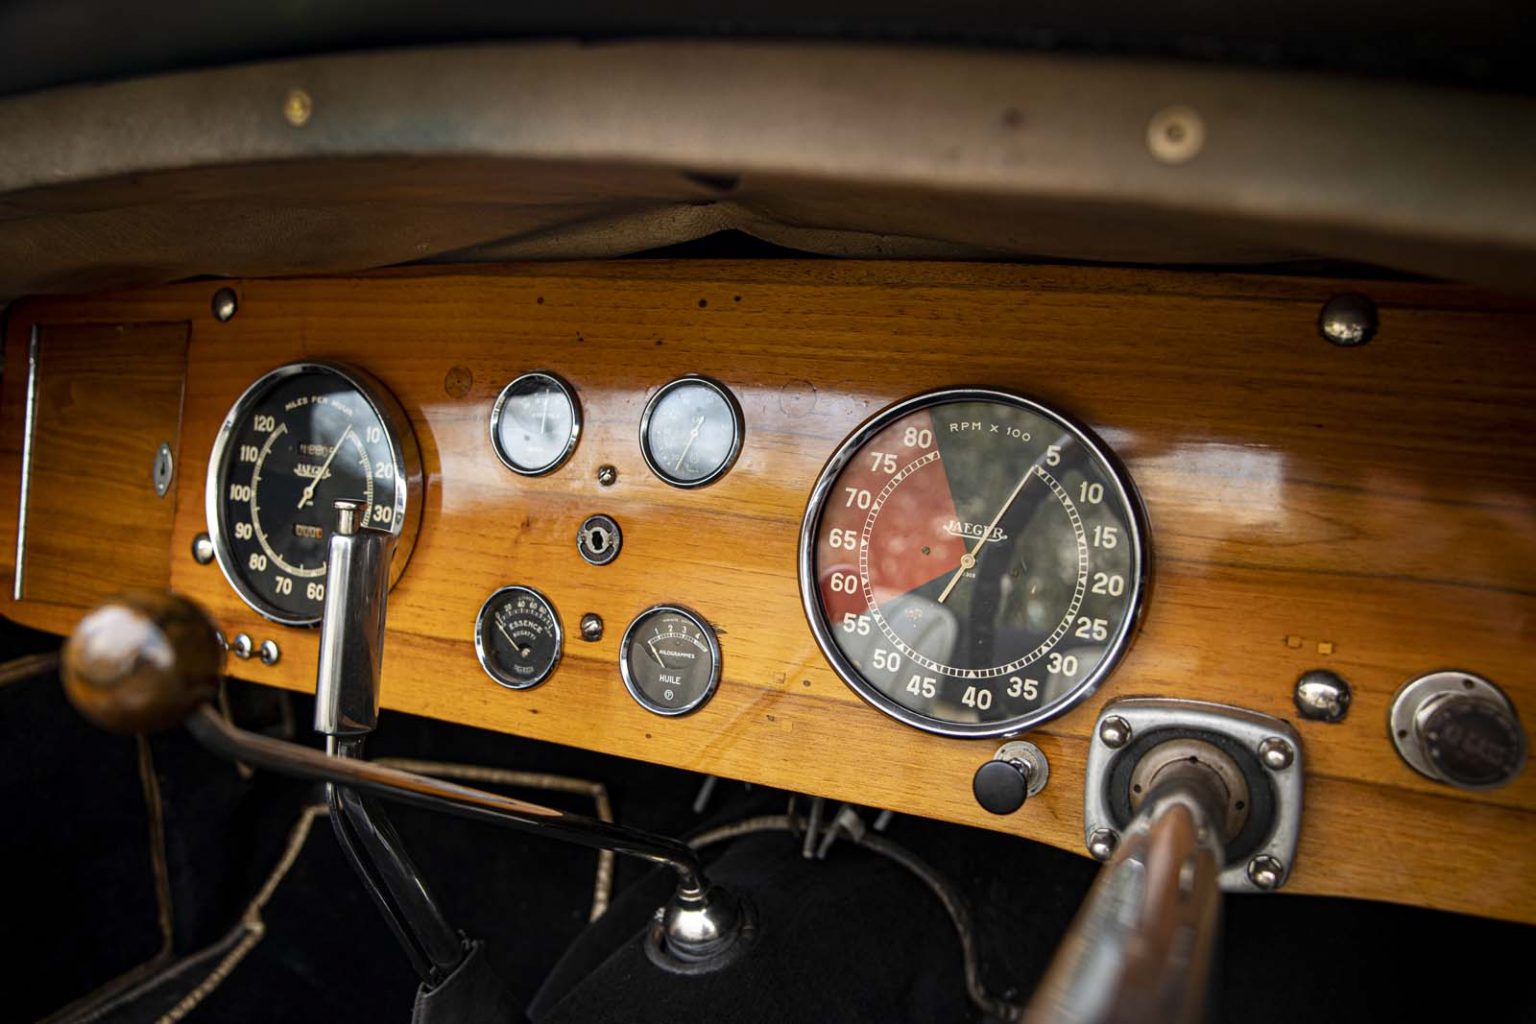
(816, 617)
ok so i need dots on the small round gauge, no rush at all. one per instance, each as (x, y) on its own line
(972, 563)
(297, 440)
(535, 424)
(518, 638)
(670, 660)
(691, 432)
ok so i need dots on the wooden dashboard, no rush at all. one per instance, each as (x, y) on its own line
(1367, 510)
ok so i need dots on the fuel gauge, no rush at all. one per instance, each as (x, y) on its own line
(670, 660)
(518, 637)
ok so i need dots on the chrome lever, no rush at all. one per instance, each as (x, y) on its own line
(152, 660)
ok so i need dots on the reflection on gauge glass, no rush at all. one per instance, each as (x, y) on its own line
(691, 432)
(518, 637)
(972, 563)
(535, 424)
(670, 660)
(299, 439)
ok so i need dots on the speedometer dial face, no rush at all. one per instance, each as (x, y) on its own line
(972, 562)
(299, 439)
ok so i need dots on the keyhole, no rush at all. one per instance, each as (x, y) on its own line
(597, 540)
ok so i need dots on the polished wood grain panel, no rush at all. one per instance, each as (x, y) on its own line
(107, 397)
(1366, 510)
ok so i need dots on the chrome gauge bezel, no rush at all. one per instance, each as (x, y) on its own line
(403, 449)
(816, 617)
(565, 388)
(738, 423)
(487, 608)
(705, 630)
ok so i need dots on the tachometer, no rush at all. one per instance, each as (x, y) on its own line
(972, 563)
(298, 439)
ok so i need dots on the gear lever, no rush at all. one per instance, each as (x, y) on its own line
(148, 661)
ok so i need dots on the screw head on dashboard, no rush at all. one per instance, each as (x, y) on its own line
(591, 627)
(1266, 872)
(607, 475)
(202, 549)
(1347, 320)
(1276, 754)
(224, 305)
(1102, 843)
(269, 652)
(1115, 732)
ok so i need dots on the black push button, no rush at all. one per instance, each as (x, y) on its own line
(1001, 786)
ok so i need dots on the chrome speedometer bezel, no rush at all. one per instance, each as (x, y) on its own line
(815, 613)
(403, 449)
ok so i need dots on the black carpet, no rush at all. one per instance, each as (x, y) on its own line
(852, 939)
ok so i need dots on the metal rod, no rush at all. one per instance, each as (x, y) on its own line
(1140, 948)
(226, 740)
(378, 856)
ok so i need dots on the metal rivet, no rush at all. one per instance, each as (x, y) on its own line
(1175, 135)
(1276, 753)
(240, 646)
(1102, 843)
(607, 475)
(1347, 320)
(270, 652)
(1115, 732)
(202, 549)
(591, 627)
(1266, 872)
(297, 107)
(1322, 696)
(225, 304)
(164, 469)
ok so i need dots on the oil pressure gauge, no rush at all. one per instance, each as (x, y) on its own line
(691, 431)
(670, 660)
(518, 637)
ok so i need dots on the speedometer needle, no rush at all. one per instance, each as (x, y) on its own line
(968, 560)
(309, 492)
(693, 436)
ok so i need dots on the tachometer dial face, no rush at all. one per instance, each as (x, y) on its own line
(518, 637)
(300, 438)
(535, 424)
(973, 562)
(670, 660)
(691, 432)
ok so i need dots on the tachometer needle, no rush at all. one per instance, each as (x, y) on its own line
(309, 492)
(968, 560)
(693, 436)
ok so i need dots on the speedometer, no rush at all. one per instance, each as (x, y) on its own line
(973, 563)
(297, 440)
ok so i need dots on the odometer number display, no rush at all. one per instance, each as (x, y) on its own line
(972, 562)
(299, 439)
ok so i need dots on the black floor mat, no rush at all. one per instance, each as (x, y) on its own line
(854, 938)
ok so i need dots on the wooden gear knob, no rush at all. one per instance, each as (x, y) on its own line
(142, 662)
